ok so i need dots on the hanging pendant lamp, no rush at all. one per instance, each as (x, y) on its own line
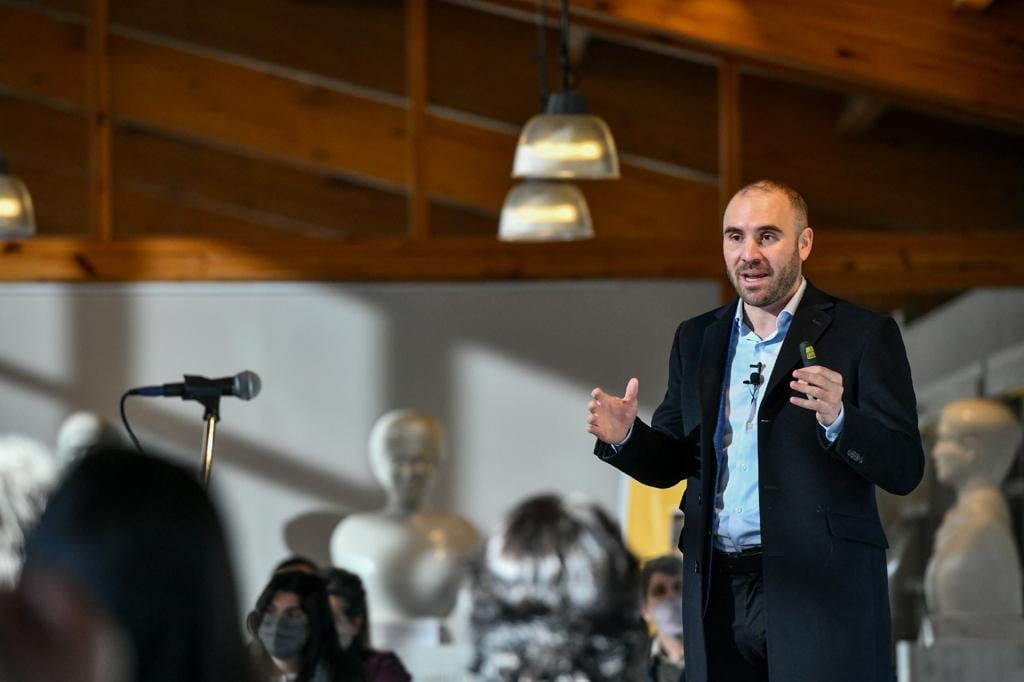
(17, 218)
(566, 141)
(540, 210)
(563, 143)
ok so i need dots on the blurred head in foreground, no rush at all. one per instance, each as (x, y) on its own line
(556, 595)
(131, 546)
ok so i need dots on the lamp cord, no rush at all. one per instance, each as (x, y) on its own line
(127, 426)
(566, 76)
(542, 56)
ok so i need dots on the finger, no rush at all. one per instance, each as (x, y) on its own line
(822, 382)
(817, 371)
(812, 405)
(809, 389)
(597, 394)
(632, 389)
(593, 405)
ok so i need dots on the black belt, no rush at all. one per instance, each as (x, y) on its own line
(737, 563)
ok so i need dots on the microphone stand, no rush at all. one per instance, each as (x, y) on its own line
(211, 416)
(210, 400)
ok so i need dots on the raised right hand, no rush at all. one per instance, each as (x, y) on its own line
(610, 418)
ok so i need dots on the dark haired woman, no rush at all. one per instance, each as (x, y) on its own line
(352, 620)
(136, 540)
(294, 623)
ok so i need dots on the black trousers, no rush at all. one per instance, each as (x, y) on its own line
(734, 625)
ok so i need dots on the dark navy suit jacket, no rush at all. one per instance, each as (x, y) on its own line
(825, 589)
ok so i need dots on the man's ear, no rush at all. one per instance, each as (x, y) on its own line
(805, 242)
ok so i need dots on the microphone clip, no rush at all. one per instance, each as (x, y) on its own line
(756, 378)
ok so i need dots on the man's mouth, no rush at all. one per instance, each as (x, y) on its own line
(753, 277)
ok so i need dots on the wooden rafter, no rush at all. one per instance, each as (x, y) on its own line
(900, 49)
(848, 264)
(100, 126)
(169, 104)
(416, 60)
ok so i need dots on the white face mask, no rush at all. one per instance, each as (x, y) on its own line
(668, 617)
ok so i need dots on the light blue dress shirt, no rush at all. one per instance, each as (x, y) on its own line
(737, 523)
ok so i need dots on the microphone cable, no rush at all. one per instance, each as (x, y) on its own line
(127, 426)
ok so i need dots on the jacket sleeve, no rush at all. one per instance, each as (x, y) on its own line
(666, 452)
(880, 438)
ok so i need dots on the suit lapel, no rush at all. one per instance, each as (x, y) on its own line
(713, 350)
(809, 322)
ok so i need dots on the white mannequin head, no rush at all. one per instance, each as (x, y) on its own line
(407, 448)
(977, 440)
(81, 431)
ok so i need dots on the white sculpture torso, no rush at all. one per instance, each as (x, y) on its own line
(974, 568)
(411, 566)
(411, 560)
(973, 579)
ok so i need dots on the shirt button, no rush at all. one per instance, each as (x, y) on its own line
(737, 510)
(744, 467)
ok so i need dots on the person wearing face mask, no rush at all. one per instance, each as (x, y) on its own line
(293, 623)
(347, 597)
(661, 582)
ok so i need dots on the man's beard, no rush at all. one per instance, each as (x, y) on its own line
(781, 283)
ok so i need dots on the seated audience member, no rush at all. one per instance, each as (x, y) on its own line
(51, 632)
(127, 575)
(294, 623)
(297, 562)
(348, 604)
(556, 595)
(661, 587)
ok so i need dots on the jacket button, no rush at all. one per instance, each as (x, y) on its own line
(696, 566)
(700, 499)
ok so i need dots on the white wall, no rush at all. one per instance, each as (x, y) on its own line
(507, 367)
(968, 347)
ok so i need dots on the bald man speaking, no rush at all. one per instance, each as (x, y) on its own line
(784, 410)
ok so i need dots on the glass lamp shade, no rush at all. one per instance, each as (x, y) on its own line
(538, 211)
(566, 146)
(17, 218)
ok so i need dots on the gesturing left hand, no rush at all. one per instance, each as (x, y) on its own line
(824, 390)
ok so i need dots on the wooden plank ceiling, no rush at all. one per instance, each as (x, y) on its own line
(373, 139)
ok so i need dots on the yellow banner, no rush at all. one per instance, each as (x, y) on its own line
(649, 519)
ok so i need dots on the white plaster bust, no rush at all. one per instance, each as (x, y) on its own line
(973, 579)
(411, 560)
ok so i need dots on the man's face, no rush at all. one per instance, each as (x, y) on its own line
(762, 247)
(662, 586)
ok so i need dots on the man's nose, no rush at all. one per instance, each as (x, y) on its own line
(751, 251)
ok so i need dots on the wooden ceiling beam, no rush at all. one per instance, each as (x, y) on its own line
(969, 62)
(847, 264)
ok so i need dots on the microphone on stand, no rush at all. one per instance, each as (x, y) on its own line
(245, 385)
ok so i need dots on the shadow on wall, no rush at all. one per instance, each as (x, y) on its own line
(309, 535)
(270, 465)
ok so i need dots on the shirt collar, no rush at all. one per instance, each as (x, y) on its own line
(785, 317)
